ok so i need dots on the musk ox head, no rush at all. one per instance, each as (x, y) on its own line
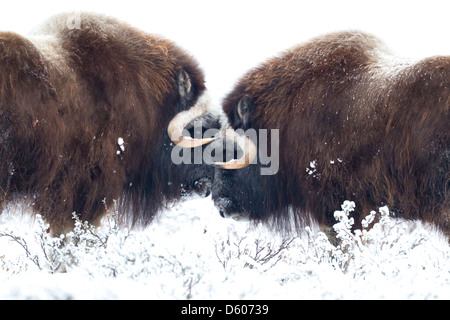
(237, 154)
(351, 122)
(240, 191)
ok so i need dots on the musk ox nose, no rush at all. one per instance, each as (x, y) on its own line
(228, 210)
(202, 187)
(222, 204)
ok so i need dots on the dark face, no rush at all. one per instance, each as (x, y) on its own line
(199, 175)
(242, 192)
(187, 172)
(238, 193)
(231, 157)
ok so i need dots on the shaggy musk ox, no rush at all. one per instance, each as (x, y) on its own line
(84, 111)
(354, 123)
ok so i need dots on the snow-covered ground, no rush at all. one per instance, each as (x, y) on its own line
(189, 251)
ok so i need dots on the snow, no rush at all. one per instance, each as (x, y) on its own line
(189, 251)
(121, 144)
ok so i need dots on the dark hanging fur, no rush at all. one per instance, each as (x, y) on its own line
(377, 130)
(67, 96)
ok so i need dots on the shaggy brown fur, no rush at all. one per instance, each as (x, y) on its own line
(376, 127)
(65, 99)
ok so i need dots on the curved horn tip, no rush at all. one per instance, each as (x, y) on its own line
(231, 165)
(181, 119)
(188, 142)
(249, 154)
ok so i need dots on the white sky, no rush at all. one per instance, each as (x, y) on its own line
(229, 37)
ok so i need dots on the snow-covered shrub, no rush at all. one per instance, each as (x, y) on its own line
(261, 253)
(109, 251)
(113, 251)
(387, 247)
(187, 253)
(381, 247)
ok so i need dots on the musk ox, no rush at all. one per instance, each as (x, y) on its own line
(84, 108)
(354, 123)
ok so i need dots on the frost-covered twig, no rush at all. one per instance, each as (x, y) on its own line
(20, 241)
(256, 253)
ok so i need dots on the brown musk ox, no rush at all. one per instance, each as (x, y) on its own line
(354, 123)
(84, 107)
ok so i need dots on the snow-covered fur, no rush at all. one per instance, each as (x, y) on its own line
(84, 107)
(355, 123)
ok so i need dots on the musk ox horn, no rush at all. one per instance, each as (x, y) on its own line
(248, 147)
(183, 118)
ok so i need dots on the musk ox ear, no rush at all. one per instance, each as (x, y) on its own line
(243, 111)
(184, 84)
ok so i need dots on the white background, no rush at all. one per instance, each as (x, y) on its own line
(229, 37)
